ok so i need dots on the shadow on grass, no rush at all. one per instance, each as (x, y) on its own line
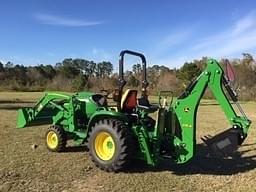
(14, 101)
(208, 104)
(74, 149)
(9, 107)
(213, 103)
(15, 104)
(203, 163)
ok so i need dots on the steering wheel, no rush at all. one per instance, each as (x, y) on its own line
(106, 93)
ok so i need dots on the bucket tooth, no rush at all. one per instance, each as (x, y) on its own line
(224, 143)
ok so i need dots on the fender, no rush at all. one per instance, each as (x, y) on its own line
(104, 114)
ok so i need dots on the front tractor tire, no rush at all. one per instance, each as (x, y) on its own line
(55, 138)
(110, 145)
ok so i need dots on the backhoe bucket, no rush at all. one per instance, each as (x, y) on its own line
(224, 143)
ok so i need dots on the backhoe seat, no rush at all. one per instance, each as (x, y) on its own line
(143, 104)
(129, 101)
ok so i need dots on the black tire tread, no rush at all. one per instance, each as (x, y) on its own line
(62, 138)
(124, 141)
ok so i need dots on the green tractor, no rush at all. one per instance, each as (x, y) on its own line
(116, 135)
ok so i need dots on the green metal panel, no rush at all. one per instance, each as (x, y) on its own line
(145, 152)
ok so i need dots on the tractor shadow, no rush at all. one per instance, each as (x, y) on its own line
(72, 147)
(205, 163)
(75, 149)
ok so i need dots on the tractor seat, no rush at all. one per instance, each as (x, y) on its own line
(143, 104)
(129, 101)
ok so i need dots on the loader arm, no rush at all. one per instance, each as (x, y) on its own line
(40, 114)
(185, 111)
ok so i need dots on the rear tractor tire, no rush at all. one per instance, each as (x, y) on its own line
(55, 138)
(110, 145)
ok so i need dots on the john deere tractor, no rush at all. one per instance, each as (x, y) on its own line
(115, 135)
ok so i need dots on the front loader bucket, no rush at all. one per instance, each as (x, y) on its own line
(43, 111)
(22, 118)
(224, 143)
(27, 117)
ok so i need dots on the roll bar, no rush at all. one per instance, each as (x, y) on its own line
(121, 80)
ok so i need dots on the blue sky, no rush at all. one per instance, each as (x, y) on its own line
(167, 32)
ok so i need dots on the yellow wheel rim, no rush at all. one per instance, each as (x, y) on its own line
(52, 139)
(104, 146)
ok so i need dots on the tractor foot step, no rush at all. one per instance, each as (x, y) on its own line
(224, 143)
(167, 156)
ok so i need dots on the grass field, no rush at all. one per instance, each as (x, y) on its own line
(23, 168)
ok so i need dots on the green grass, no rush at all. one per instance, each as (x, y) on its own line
(25, 169)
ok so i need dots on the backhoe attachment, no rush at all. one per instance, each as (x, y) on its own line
(185, 110)
(226, 142)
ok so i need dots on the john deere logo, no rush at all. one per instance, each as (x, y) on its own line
(186, 109)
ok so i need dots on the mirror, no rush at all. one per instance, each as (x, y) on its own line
(229, 71)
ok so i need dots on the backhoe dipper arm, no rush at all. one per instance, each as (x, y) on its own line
(185, 109)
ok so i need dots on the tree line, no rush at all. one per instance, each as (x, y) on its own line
(81, 74)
